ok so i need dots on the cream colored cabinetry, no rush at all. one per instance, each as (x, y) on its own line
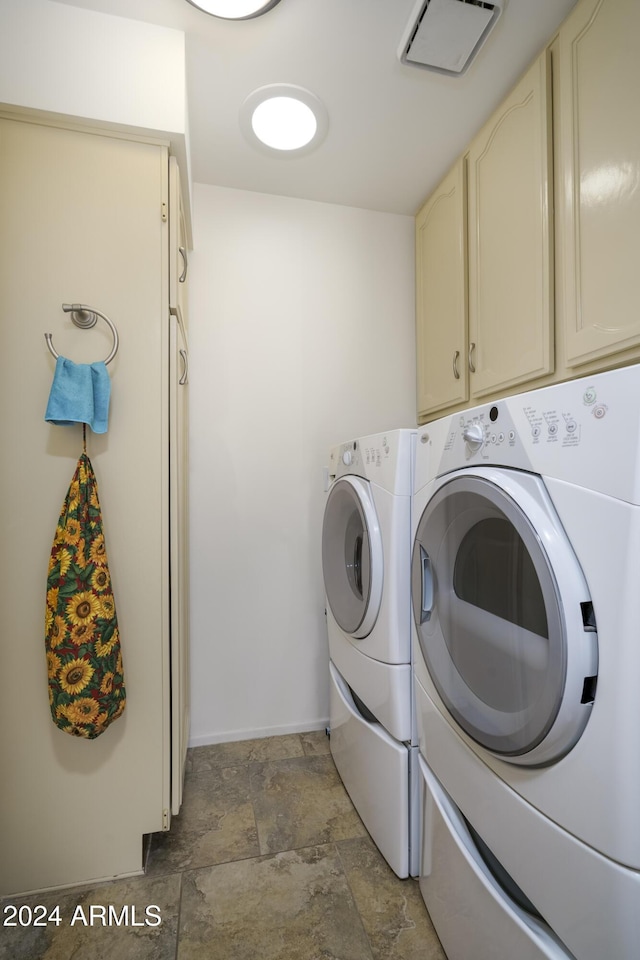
(441, 292)
(531, 325)
(510, 247)
(509, 283)
(86, 219)
(598, 190)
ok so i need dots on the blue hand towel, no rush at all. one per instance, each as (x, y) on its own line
(79, 394)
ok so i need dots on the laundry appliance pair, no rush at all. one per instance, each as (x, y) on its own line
(525, 582)
(366, 559)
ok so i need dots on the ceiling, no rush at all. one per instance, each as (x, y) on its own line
(394, 130)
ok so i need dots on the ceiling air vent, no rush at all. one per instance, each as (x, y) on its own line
(445, 35)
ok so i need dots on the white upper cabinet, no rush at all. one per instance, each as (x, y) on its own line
(441, 292)
(510, 246)
(598, 190)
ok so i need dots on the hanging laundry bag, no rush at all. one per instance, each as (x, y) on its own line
(86, 682)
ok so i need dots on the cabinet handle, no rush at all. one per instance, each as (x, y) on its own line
(456, 372)
(183, 275)
(185, 373)
(472, 368)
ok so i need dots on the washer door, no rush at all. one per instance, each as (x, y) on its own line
(352, 562)
(503, 615)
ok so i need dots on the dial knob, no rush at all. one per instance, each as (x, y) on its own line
(347, 457)
(473, 435)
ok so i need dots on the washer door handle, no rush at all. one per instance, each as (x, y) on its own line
(426, 587)
(357, 563)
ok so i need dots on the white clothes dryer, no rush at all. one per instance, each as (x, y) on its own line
(366, 559)
(526, 552)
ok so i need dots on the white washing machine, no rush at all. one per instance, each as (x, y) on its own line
(366, 560)
(525, 570)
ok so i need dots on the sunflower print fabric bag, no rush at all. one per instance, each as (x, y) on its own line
(86, 682)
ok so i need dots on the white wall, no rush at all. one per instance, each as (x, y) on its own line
(301, 335)
(118, 74)
(81, 63)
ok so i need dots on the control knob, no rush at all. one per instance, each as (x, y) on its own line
(473, 435)
(347, 458)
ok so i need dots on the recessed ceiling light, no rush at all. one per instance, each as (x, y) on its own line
(234, 9)
(283, 119)
(284, 123)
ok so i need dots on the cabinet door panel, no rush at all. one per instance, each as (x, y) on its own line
(179, 551)
(441, 306)
(600, 177)
(510, 272)
(178, 246)
(178, 487)
(81, 222)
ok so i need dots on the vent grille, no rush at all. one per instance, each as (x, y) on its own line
(471, 3)
(446, 35)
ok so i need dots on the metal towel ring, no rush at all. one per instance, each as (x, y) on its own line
(85, 317)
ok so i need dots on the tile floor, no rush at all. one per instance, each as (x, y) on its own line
(268, 860)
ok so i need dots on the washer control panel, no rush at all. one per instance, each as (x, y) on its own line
(358, 457)
(385, 459)
(345, 458)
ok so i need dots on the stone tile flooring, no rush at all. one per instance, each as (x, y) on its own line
(268, 860)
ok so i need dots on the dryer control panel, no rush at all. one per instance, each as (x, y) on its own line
(486, 435)
(584, 431)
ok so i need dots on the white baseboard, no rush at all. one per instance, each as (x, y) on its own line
(305, 726)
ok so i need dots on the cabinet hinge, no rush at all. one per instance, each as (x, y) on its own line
(165, 819)
(164, 212)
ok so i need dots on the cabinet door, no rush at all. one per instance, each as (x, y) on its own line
(599, 182)
(81, 222)
(510, 249)
(178, 245)
(178, 490)
(179, 552)
(441, 285)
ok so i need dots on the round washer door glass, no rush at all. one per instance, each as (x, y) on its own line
(352, 556)
(492, 623)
